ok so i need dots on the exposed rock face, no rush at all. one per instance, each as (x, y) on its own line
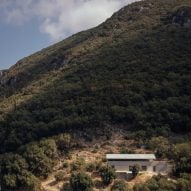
(2, 74)
(5, 80)
(182, 16)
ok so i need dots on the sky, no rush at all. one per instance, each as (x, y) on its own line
(27, 26)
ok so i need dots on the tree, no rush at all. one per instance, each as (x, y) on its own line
(135, 170)
(14, 174)
(63, 141)
(49, 147)
(107, 174)
(81, 181)
(30, 182)
(140, 187)
(181, 154)
(184, 184)
(79, 164)
(119, 185)
(11, 169)
(160, 145)
(39, 163)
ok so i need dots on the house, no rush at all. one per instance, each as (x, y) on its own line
(123, 163)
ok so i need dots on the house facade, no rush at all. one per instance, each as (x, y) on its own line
(123, 163)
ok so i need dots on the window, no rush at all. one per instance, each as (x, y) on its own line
(144, 168)
(154, 168)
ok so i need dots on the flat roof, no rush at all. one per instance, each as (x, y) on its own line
(130, 156)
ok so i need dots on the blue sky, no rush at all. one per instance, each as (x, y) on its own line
(27, 26)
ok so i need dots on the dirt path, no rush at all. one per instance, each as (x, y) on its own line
(51, 185)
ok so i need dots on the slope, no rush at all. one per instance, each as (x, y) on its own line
(134, 69)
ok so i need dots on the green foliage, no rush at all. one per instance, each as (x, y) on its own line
(107, 174)
(119, 185)
(184, 184)
(140, 187)
(160, 145)
(15, 174)
(49, 147)
(90, 167)
(63, 141)
(79, 164)
(59, 176)
(181, 154)
(39, 163)
(12, 168)
(157, 183)
(135, 170)
(133, 69)
(160, 183)
(81, 182)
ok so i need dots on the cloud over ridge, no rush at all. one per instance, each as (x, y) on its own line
(59, 18)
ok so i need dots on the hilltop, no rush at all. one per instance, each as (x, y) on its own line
(132, 71)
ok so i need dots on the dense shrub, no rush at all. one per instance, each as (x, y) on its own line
(90, 167)
(140, 78)
(79, 164)
(39, 163)
(135, 170)
(119, 185)
(15, 174)
(59, 176)
(81, 182)
(160, 145)
(107, 174)
(156, 183)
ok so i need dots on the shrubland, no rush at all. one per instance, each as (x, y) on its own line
(133, 70)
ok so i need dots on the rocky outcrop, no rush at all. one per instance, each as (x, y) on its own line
(2, 72)
(2, 76)
(182, 16)
(5, 80)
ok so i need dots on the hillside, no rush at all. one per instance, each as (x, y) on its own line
(133, 70)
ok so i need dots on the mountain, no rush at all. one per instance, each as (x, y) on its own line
(133, 69)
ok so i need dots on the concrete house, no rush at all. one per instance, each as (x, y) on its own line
(123, 163)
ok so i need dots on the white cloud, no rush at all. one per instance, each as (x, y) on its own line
(60, 18)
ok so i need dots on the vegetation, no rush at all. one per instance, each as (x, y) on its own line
(135, 170)
(119, 185)
(81, 182)
(181, 154)
(132, 70)
(159, 183)
(20, 171)
(16, 173)
(160, 145)
(78, 165)
(59, 176)
(107, 174)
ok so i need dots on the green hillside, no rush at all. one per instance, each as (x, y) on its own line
(134, 70)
